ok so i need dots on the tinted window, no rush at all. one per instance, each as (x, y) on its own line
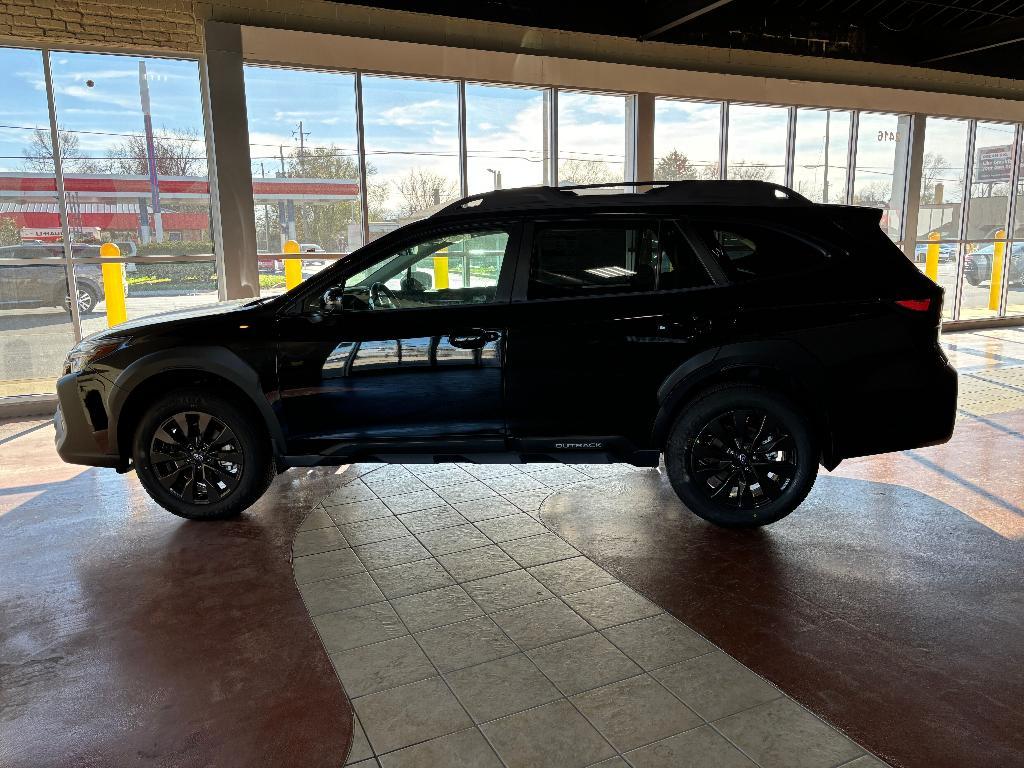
(587, 259)
(749, 251)
(679, 266)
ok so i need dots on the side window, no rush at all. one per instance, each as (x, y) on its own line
(751, 251)
(443, 270)
(581, 260)
(679, 266)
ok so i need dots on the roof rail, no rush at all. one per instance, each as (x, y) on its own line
(734, 192)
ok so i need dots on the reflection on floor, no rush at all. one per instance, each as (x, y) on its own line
(131, 637)
(464, 631)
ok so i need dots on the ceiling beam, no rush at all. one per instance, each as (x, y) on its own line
(993, 36)
(705, 8)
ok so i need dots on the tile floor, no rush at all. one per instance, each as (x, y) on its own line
(467, 634)
(991, 368)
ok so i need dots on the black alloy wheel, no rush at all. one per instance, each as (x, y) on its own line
(743, 458)
(741, 455)
(196, 457)
(202, 454)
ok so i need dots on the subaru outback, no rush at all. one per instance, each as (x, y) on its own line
(731, 329)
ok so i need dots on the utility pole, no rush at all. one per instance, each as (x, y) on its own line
(828, 137)
(154, 184)
(266, 208)
(302, 147)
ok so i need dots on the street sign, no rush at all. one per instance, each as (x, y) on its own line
(995, 164)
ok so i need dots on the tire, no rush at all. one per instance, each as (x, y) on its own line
(236, 463)
(973, 279)
(87, 299)
(707, 477)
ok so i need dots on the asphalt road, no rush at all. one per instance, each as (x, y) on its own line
(33, 342)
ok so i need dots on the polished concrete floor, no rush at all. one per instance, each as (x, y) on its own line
(465, 633)
(129, 637)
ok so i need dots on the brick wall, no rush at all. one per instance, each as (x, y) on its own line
(149, 24)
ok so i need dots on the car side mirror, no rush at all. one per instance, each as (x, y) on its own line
(333, 300)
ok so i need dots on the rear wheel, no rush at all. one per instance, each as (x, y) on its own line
(87, 297)
(201, 457)
(741, 456)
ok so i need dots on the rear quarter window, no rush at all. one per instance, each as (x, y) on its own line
(754, 251)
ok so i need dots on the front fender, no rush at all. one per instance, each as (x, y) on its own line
(215, 360)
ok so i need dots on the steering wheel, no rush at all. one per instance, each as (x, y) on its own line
(381, 297)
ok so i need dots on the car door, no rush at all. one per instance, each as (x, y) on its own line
(406, 353)
(605, 310)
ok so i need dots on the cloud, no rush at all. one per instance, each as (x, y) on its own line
(419, 113)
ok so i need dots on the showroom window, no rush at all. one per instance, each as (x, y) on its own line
(940, 214)
(988, 256)
(757, 143)
(411, 130)
(134, 172)
(687, 137)
(139, 176)
(880, 171)
(305, 166)
(507, 137)
(591, 138)
(36, 329)
(821, 151)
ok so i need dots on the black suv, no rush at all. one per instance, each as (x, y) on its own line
(733, 326)
(41, 281)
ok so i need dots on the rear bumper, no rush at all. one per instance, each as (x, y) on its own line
(76, 440)
(909, 403)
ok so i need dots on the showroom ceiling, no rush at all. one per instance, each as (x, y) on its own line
(979, 36)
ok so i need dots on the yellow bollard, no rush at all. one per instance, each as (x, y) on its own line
(995, 290)
(292, 267)
(441, 269)
(113, 285)
(931, 264)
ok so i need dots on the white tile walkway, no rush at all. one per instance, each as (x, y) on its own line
(466, 634)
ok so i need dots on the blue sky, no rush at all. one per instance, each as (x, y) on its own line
(100, 114)
(413, 123)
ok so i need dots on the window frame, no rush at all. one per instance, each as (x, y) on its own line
(312, 290)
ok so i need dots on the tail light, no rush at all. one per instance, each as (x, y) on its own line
(915, 305)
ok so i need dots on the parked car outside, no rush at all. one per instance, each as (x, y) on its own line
(734, 329)
(306, 248)
(42, 280)
(947, 253)
(978, 265)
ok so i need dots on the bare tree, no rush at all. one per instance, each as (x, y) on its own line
(39, 153)
(423, 188)
(575, 171)
(180, 152)
(933, 169)
(750, 171)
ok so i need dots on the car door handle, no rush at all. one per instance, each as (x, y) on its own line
(472, 339)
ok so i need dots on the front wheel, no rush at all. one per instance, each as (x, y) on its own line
(741, 456)
(201, 457)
